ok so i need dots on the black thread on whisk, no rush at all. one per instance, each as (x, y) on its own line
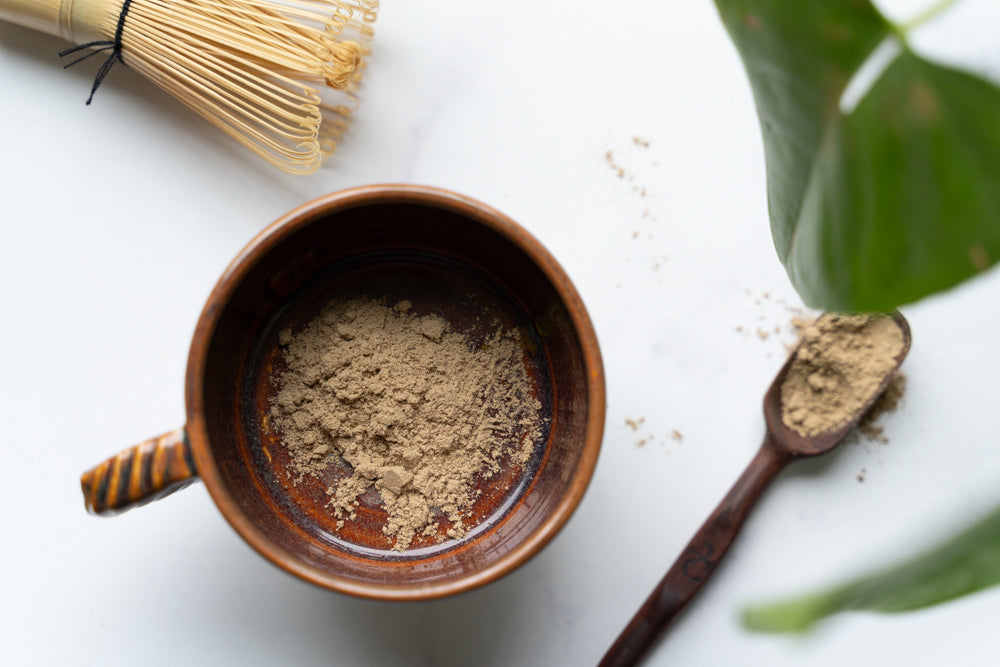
(99, 46)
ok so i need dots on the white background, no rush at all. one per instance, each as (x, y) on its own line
(116, 220)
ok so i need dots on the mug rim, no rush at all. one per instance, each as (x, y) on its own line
(269, 238)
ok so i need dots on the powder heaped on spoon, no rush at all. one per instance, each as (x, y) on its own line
(837, 369)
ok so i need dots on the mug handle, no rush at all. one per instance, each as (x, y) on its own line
(141, 474)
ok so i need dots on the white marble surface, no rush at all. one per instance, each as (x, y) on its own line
(116, 220)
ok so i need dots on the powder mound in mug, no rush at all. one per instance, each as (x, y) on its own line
(416, 410)
(840, 364)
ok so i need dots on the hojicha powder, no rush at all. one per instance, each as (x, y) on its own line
(839, 366)
(416, 410)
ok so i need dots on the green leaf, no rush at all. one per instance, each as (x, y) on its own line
(967, 563)
(888, 203)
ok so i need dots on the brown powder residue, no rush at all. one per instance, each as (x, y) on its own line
(609, 159)
(412, 407)
(888, 402)
(762, 309)
(634, 423)
(839, 366)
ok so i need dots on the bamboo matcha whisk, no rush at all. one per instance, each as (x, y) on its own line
(257, 69)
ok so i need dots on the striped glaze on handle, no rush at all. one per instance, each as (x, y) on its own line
(141, 474)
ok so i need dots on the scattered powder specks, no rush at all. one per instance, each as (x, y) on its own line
(634, 423)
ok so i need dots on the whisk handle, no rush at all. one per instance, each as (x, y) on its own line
(41, 15)
(73, 20)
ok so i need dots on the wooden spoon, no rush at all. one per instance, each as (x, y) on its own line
(781, 446)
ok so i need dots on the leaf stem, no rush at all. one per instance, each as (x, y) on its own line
(924, 16)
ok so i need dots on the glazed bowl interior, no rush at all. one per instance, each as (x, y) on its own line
(445, 255)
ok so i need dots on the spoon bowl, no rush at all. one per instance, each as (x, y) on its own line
(790, 441)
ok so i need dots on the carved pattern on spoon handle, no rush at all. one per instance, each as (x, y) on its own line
(697, 561)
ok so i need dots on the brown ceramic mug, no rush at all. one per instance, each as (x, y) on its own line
(443, 252)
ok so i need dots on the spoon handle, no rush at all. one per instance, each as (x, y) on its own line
(698, 560)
